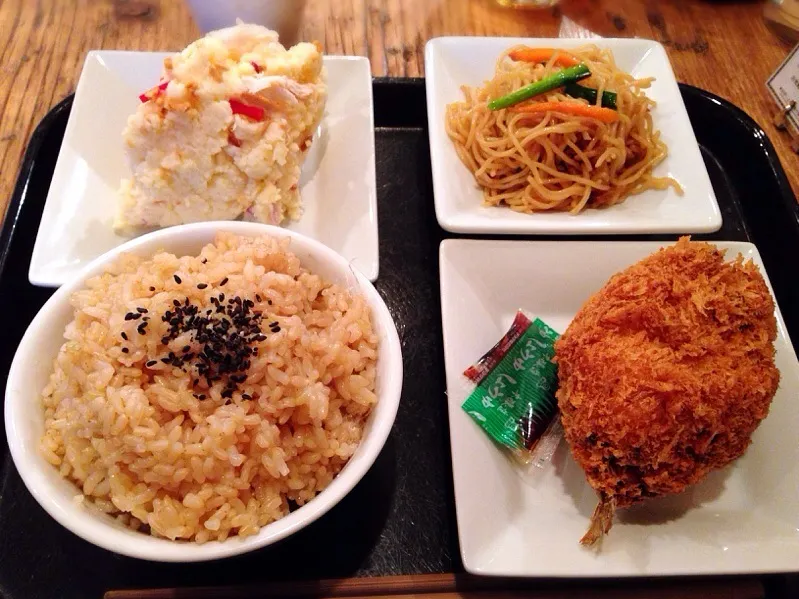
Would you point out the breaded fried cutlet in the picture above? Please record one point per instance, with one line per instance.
(665, 373)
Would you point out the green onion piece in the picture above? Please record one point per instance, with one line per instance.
(576, 90)
(558, 79)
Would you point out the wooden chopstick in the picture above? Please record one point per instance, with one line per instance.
(465, 586)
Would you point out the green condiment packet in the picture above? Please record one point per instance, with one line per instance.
(514, 400)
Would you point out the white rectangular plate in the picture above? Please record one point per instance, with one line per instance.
(743, 519)
(337, 184)
(451, 62)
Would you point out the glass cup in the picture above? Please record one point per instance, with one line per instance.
(283, 16)
(783, 17)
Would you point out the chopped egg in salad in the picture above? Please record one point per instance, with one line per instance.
(224, 133)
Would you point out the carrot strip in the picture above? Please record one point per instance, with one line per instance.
(606, 115)
(543, 55)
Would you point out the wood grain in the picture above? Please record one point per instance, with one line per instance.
(464, 586)
(723, 46)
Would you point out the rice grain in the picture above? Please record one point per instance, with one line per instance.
(201, 438)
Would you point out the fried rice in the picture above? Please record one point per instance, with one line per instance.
(201, 397)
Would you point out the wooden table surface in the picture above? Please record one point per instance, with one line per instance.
(723, 46)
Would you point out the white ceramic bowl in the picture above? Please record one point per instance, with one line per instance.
(24, 416)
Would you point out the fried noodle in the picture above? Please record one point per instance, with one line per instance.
(555, 161)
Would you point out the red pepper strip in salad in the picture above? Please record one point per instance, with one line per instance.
(256, 113)
(152, 92)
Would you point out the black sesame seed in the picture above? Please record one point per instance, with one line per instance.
(201, 396)
(202, 285)
(152, 288)
(177, 279)
(257, 297)
(151, 363)
(125, 350)
(205, 260)
(223, 282)
(141, 310)
(276, 329)
(225, 335)
(124, 335)
(246, 396)
(269, 302)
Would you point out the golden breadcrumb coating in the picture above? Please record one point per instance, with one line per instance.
(666, 372)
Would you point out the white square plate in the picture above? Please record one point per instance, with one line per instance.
(337, 184)
(451, 62)
(743, 519)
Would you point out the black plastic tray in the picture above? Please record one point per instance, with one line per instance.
(401, 518)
